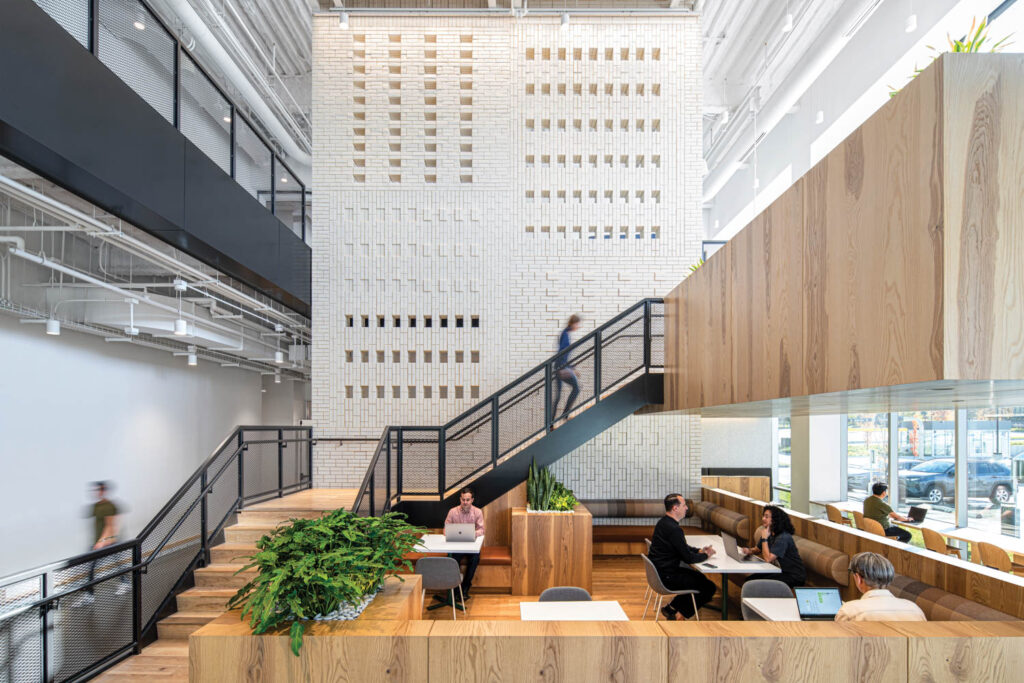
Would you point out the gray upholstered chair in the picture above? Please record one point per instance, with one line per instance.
(440, 574)
(647, 591)
(659, 589)
(564, 594)
(762, 588)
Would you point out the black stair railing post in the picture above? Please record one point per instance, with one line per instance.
(241, 471)
(398, 465)
(494, 431)
(442, 439)
(597, 366)
(280, 463)
(44, 626)
(547, 397)
(309, 457)
(647, 335)
(137, 596)
(203, 545)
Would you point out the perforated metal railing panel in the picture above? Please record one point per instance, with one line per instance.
(181, 547)
(419, 462)
(468, 445)
(72, 15)
(21, 639)
(136, 48)
(252, 162)
(622, 352)
(521, 412)
(205, 114)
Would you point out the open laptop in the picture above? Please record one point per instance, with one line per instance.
(818, 604)
(916, 515)
(460, 533)
(733, 551)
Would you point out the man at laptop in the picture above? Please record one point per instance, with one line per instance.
(466, 513)
(668, 549)
(877, 509)
(872, 574)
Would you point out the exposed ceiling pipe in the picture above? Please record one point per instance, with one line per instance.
(817, 58)
(301, 159)
(90, 225)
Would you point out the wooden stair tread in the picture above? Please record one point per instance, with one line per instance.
(166, 647)
(190, 617)
(223, 567)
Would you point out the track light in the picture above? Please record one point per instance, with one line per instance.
(279, 357)
(911, 24)
(192, 360)
(180, 285)
(343, 19)
(565, 21)
(277, 378)
(180, 328)
(787, 23)
(819, 118)
(53, 327)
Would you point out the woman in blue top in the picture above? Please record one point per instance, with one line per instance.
(773, 541)
(565, 372)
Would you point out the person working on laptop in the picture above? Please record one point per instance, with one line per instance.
(466, 513)
(872, 573)
(668, 549)
(877, 509)
(773, 542)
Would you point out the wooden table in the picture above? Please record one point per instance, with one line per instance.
(435, 543)
(724, 565)
(578, 610)
(774, 609)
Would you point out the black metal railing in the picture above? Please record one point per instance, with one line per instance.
(132, 41)
(431, 461)
(72, 619)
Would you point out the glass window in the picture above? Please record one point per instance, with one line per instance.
(782, 453)
(867, 453)
(926, 443)
(287, 198)
(205, 114)
(995, 456)
(252, 162)
(72, 16)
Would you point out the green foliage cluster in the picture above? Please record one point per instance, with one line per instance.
(311, 566)
(544, 492)
(694, 267)
(976, 38)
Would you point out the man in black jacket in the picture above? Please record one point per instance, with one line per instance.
(669, 551)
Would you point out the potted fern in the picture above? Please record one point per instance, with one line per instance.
(325, 569)
(544, 493)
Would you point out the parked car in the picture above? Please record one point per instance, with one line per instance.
(933, 481)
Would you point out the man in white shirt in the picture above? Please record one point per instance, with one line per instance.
(872, 573)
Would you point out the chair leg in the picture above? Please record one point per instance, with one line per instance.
(462, 600)
(423, 600)
(650, 595)
(696, 611)
(451, 592)
(657, 608)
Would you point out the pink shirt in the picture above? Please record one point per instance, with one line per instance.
(474, 516)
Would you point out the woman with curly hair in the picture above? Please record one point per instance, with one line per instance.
(773, 542)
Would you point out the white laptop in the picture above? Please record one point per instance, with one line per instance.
(733, 551)
(460, 533)
(818, 604)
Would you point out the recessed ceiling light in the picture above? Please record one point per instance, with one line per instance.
(139, 25)
(284, 180)
(227, 119)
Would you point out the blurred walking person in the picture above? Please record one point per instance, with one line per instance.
(564, 372)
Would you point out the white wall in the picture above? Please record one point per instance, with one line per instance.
(74, 409)
(737, 442)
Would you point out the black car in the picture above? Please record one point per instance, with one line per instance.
(933, 481)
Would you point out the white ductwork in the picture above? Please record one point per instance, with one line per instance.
(850, 16)
(301, 160)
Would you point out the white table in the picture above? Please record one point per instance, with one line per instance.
(774, 609)
(579, 610)
(723, 564)
(435, 543)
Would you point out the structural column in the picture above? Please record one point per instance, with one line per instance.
(816, 446)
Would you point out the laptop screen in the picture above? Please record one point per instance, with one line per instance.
(817, 601)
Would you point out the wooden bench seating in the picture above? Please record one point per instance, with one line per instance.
(622, 539)
(717, 518)
(940, 605)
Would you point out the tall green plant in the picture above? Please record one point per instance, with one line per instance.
(974, 41)
(544, 492)
(313, 566)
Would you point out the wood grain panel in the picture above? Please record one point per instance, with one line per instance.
(356, 651)
(957, 651)
(984, 246)
(547, 651)
(498, 516)
(551, 549)
(752, 487)
(785, 651)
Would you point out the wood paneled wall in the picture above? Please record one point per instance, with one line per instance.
(498, 516)
(899, 258)
(998, 590)
(752, 487)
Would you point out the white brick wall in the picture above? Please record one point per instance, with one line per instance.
(506, 169)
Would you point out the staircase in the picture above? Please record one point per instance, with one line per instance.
(419, 470)
(167, 658)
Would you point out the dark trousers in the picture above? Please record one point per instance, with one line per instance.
(900, 533)
(688, 579)
(569, 377)
(472, 560)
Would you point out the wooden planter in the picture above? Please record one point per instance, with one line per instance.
(553, 549)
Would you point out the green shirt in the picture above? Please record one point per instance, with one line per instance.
(877, 509)
(100, 512)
